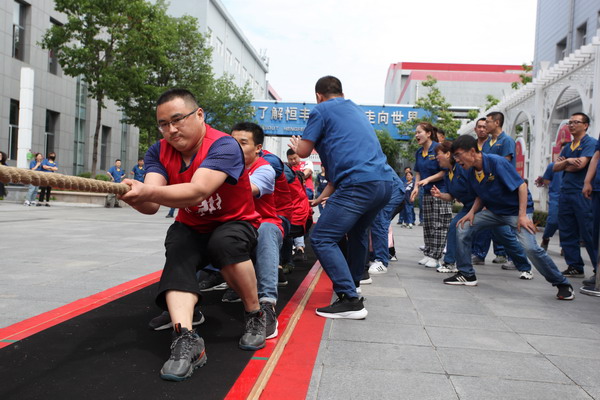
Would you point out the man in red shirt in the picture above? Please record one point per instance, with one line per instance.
(200, 171)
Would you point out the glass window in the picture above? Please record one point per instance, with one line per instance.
(581, 36)
(104, 147)
(18, 39)
(52, 59)
(51, 130)
(13, 130)
(80, 122)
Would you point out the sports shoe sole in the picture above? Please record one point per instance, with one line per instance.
(360, 314)
(377, 271)
(197, 364)
(590, 291)
(274, 334)
(170, 324)
(445, 270)
(461, 283)
(220, 286)
(251, 348)
(366, 281)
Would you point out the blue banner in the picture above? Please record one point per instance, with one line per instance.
(287, 119)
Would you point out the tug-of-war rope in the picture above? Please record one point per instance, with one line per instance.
(59, 181)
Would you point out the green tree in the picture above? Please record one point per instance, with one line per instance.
(226, 104)
(491, 101)
(93, 43)
(390, 147)
(525, 76)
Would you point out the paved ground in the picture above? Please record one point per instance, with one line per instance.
(506, 338)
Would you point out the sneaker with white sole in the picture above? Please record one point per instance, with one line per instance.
(509, 266)
(565, 292)
(393, 258)
(447, 268)
(366, 278)
(460, 279)
(377, 268)
(344, 307)
(528, 275)
(424, 260)
(432, 263)
(187, 354)
(422, 248)
(163, 321)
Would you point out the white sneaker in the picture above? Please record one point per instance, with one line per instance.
(422, 248)
(410, 226)
(526, 275)
(27, 202)
(447, 268)
(424, 260)
(358, 290)
(432, 263)
(377, 268)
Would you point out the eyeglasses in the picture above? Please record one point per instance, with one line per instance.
(457, 154)
(575, 122)
(175, 122)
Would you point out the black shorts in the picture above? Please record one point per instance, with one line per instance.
(187, 251)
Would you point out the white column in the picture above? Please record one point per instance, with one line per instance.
(595, 114)
(25, 117)
(538, 152)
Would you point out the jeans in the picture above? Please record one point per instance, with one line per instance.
(267, 260)
(481, 245)
(450, 257)
(596, 212)
(350, 210)
(552, 219)
(575, 223)
(486, 219)
(31, 193)
(380, 228)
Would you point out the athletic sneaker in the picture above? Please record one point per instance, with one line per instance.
(499, 260)
(271, 320)
(565, 292)
(591, 281)
(187, 354)
(281, 279)
(422, 248)
(213, 281)
(377, 268)
(526, 275)
(432, 263)
(287, 268)
(393, 258)
(460, 279)
(358, 290)
(410, 226)
(163, 321)
(509, 266)
(366, 278)
(477, 260)
(255, 331)
(447, 268)
(344, 307)
(589, 290)
(572, 271)
(230, 296)
(425, 260)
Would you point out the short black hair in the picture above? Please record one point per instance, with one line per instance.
(586, 119)
(177, 93)
(497, 116)
(140, 159)
(258, 135)
(290, 152)
(480, 119)
(329, 85)
(465, 142)
(118, 159)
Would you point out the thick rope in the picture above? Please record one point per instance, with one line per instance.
(38, 178)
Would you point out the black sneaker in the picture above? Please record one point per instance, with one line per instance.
(271, 319)
(366, 278)
(460, 279)
(281, 279)
(163, 321)
(299, 254)
(255, 332)
(499, 260)
(591, 281)
(477, 261)
(187, 354)
(230, 296)
(344, 307)
(565, 292)
(288, 268)
(213, 281)
(572, 271)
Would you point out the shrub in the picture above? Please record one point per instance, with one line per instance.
(85, 175)
(102, 177)
(539, 218)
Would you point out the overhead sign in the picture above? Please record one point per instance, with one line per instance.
(287, 119)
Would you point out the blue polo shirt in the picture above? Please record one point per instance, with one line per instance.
(596, 181)
(555, 179)
(457, 184)
(498, 189)
(32, 164)
(139, 173)
(573, 181)
(346, 143)
(504, 146)
(427, 166)
(117, 174)
(47, 163)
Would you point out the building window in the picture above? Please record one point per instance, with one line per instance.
(104, 147)
(561, 50)
(581, 36)
(52, 59)
(18, 39)
(228, 58)
(219, 47)
(124, 140)
(13, 130)
(51, 129)
(80, 121)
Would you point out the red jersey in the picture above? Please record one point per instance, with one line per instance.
(228, 203)
(283, 197)
(265, 204)
(308, 182)
(300, 203)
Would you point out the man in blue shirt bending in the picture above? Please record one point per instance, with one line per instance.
(359, 185)
(507, 201)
